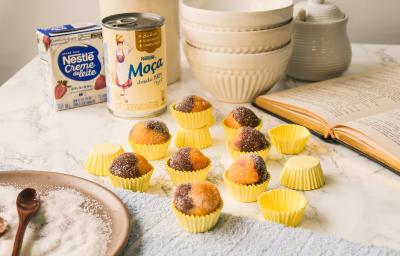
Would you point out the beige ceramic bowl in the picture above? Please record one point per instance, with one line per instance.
(237, 78)
(237, 42)
(237, 15)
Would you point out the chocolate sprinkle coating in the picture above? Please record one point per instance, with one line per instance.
(183, 202)
(260, 167)
(252, 140)
(125, 166)
(186, 105)
(180, 160)
(245, 117)
(157, 126)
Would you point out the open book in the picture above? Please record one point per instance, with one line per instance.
(361, 111)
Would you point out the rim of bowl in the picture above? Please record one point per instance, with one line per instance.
(281, 49)
(284, 26)
(289, 4)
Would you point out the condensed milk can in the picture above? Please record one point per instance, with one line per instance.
(135, 64)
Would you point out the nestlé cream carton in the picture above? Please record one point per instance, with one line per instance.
(72, 64)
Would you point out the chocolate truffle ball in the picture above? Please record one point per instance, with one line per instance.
(197, 199)
(242, 116)
(149, 132)
(248, 139)
(188, 159)
(192, 103)
(248, 169)
(130, 165)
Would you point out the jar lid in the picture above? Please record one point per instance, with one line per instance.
(318, 11)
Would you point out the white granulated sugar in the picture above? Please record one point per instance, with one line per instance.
(66, 224)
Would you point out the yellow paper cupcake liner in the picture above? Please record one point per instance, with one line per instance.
(180, 177)
(245, 193)
(151, 151)
(302, 173)
(283, 206)
(101, 157)
(235, 154)
(198, 138)
(289, 138)
(230, 131)
(139, 184)
(193, 120)
(197, 224)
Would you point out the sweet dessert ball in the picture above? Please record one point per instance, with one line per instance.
(242, 116)
(248, 139)
(248, 169)
(191, 104)
(149, 132)
(188, 159)
(130, 165)
(197, 199)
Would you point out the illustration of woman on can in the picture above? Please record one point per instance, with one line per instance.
(120, 77)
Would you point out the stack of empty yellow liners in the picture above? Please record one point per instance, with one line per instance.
(193, 128)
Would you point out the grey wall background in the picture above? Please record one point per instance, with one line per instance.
(371, 21)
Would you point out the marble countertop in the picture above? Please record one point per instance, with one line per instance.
(359, 202)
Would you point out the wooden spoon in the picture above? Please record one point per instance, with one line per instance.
(3, 226)
(28, 203)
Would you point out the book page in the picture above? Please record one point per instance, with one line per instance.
(347, 98)
(382, 129)
(292, 114)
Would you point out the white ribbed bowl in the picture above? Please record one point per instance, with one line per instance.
(237, 15)
(237, 42)
(237, 78)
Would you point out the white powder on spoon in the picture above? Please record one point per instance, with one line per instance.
(66, 224)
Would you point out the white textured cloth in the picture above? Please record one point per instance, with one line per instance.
(155, 231)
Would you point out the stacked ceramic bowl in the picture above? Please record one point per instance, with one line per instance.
(237, 49)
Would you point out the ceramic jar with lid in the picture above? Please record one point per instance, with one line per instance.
(321, 46)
